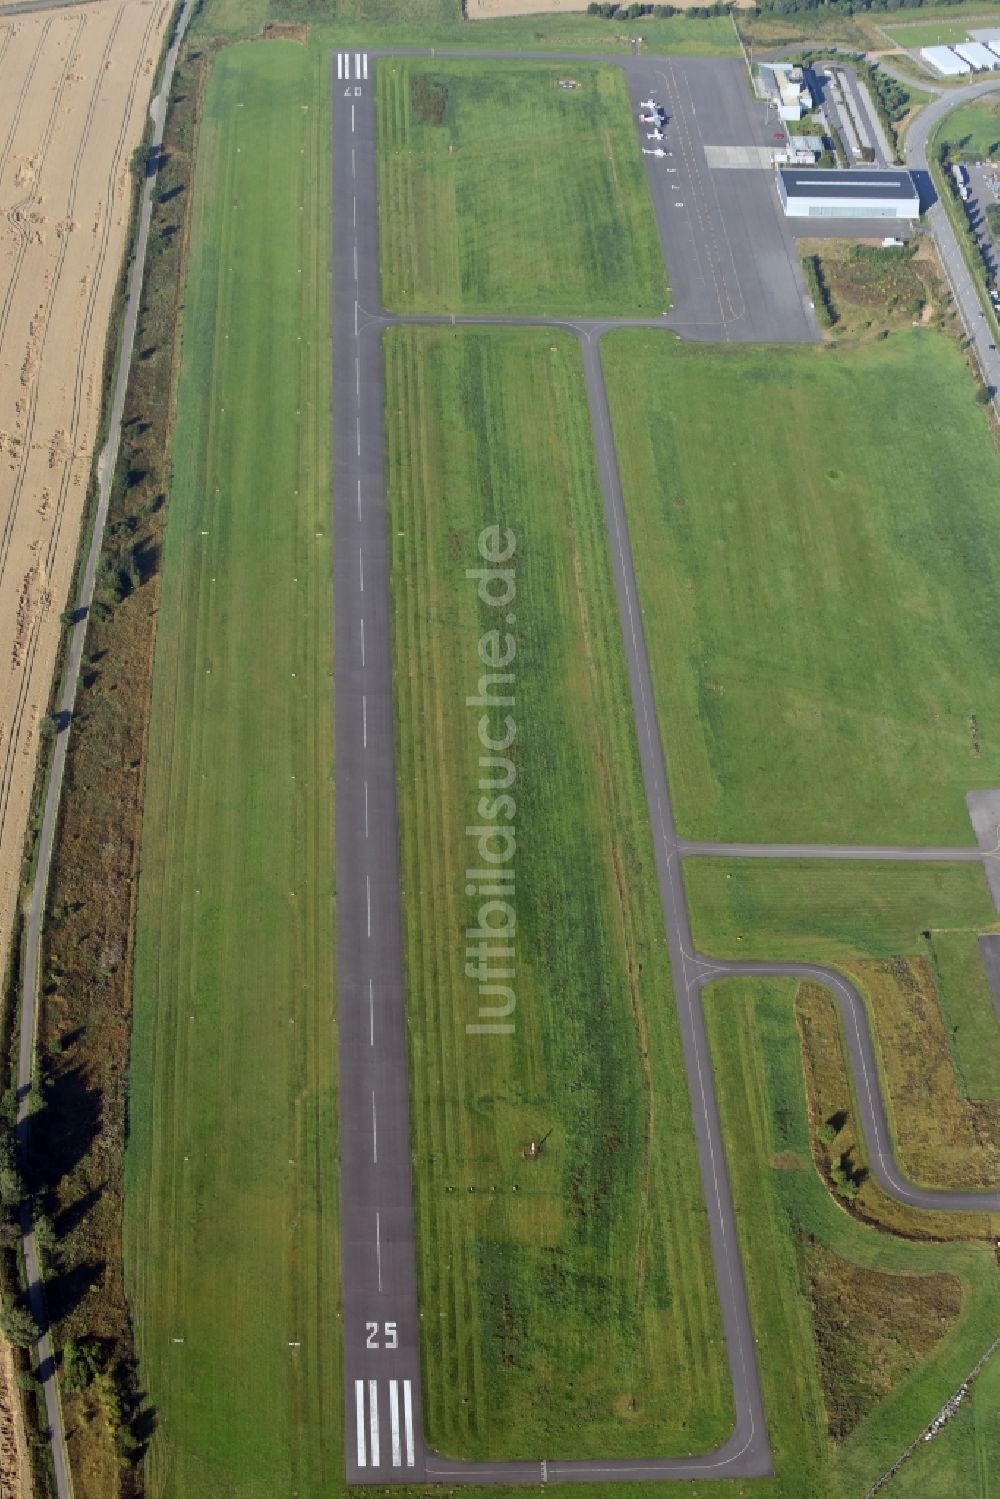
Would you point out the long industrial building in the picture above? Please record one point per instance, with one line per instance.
(946, 61)
(822, 194)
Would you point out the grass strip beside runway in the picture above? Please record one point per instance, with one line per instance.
(817, 544)
(568, 1301)
(231, 1242)
(502, 191)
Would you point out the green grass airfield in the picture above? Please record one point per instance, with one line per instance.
(569, 1302)
(499, 191)
(231, 1241)
(817, 546)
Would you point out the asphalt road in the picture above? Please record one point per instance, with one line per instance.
(889, 853)
(722, 291)
(964, 289)
(67, 701)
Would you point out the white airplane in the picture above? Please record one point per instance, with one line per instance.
(655, 152)
(650, 119)
(654, 135)
(648, 103)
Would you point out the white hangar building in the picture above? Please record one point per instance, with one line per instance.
(836, 194)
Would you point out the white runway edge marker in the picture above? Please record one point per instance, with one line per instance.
(359, 1408)
(408, 1420)
(397, 1454)
(373, 1419)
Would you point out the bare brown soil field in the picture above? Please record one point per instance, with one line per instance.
(74, 93)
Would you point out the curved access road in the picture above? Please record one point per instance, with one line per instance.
(67, 702)
(870, 1103)
(382, 1372)
(968, 298)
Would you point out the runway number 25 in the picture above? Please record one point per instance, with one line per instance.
(387, 1331)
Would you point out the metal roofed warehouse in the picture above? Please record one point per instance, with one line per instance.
(834, 194)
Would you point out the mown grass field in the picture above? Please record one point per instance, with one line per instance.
(231, 1243)
(973, 128)
(569, 1300)
(969, 1014)
(501, 192)
(943, 32)
(868, 1370)
(441, 24)
(820, 579)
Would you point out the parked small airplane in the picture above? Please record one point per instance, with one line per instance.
(649, 103)
(654, 135)
(657, 151)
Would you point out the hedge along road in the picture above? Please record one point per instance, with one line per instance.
(382, 1388)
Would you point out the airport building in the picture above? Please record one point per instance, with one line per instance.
(787, 86)
(981, 59)
(946, 61)
(859, 194)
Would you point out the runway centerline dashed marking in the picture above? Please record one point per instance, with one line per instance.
(371, 1012)
(374, 1131)
(378, 1256)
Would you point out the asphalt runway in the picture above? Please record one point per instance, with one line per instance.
(729, 297)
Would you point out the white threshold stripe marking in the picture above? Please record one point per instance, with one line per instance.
(378, 1254)
(373, 1419)
(397, 1456)
(368, 897)
(357, 64)
(408, 1419)
(374, 1131)
(364, 65)
(371, 1012)
(359, 1407)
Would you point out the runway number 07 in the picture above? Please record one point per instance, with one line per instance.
(388, 1331)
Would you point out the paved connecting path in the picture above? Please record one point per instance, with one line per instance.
(382, 1387)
